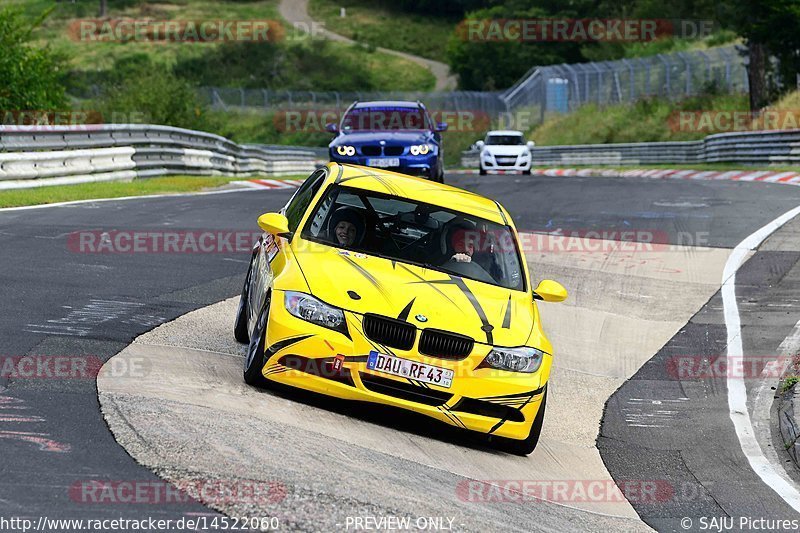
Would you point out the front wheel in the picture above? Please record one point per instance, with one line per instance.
(526, 172)
(482, 171)
(526, 446)
(254, 360)
(240, 326)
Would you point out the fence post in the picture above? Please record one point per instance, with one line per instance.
(632, 81)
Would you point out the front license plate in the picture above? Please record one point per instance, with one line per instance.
(396, 366)
(384, 163)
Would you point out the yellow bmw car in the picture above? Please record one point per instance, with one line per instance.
(380, 287)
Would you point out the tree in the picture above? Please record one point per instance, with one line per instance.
(769, 28)
(31, 79)
(103, 8)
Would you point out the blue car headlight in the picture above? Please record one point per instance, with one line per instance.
(306, 307)
(346, 150)
(526, 360)
(420, 149)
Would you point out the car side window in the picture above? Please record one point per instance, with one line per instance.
(299, 203)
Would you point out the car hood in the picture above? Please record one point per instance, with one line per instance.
(505, 150)
(489, 314)
(391, 137)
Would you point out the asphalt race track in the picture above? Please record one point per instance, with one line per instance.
(629, 315)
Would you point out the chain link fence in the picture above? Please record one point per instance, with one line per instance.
(564, 88)
(226, 98)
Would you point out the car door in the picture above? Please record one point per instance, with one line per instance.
(270, 254)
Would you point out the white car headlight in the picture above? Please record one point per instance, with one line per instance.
(527, 360)
(525, 155)
(345, 150)
(306, 307)
(420, 149)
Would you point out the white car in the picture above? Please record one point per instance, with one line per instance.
(505, 150)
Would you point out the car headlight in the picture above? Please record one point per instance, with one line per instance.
(420, 149)
(345, 150)
(525, 155)
(308, 308)
(527, 360)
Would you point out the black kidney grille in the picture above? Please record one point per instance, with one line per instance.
(389, 332)
(393, 150)
(445, 345)
(371, 150)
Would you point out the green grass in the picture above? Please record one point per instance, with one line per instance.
(788, 383)
(114, 189)
(378, 23)
(293, 63)
(643, 121)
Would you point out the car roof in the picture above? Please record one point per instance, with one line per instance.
(387, 103)
(420, 189)
(504, 132)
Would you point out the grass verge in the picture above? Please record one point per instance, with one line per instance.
(377, 23)
(114, 189)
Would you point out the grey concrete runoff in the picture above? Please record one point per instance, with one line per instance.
(194, 378)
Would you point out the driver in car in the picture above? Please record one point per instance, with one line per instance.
(346, 227)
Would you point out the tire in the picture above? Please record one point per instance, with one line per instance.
(440, 174)
(526, 172)
(482, 171)
(526, 446)
(240, 332)
(254, 360)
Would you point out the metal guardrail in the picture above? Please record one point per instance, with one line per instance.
(32, 156)
(749, 148)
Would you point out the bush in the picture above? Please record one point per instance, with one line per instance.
(142, 91)
(32, 78)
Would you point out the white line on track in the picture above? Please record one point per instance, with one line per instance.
(737, 392)
(122, 198)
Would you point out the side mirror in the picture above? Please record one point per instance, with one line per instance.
(441, 126)
(550, 291)
(275, 223)
(531, 144)
(479, 145)
(332, 128)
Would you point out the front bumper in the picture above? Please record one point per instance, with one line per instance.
(415, 165)
(510, 163)
(485, 400)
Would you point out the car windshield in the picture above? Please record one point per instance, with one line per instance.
(385, 118)
(505, 140)
(418, 233)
